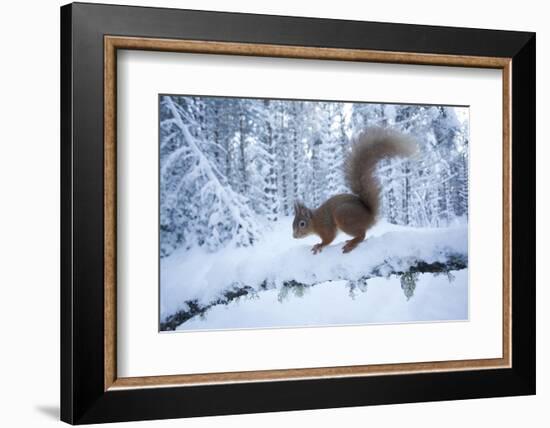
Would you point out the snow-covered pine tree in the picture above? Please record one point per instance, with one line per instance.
(328, 151)
(198, 207)
(260, 160)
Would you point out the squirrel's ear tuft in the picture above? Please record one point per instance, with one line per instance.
(301, 210)
(299, 207)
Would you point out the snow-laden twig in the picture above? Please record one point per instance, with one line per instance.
(167, 139)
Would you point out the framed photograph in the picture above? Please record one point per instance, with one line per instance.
(266, 213)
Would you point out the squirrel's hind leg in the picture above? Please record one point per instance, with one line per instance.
(352, 243)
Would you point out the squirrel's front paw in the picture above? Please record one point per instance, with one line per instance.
(317, 248)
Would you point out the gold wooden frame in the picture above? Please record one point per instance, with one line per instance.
(113, 43)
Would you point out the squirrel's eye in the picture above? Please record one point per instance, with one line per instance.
(302, 223)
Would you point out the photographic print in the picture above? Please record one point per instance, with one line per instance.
(307, 213)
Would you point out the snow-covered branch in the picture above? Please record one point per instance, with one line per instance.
(279, 262)
(407, 275)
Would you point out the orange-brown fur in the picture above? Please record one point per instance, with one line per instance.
(356, 213)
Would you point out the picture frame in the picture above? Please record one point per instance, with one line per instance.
(91, 390)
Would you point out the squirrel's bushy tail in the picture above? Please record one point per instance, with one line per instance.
(370, 147)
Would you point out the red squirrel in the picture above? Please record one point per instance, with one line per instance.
(355, 213)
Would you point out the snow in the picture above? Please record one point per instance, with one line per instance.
(197, 274)
(329, 303)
